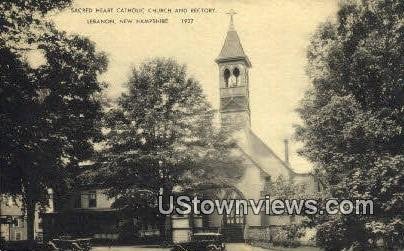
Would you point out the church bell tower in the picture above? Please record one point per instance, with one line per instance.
(233, 66)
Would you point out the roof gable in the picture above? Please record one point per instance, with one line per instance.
(263, 156)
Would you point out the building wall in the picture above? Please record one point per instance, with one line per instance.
(11, 208)
(18, 231)
(12, 231)
(86, 213)
(81, 200)
(311, 183)
(79, 217)
(215, 220)
(181, 228)
(255, 178)
(251, 185)
(235, 119)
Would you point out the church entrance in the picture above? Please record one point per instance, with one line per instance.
(233, 224)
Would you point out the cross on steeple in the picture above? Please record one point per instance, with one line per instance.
(231, 13)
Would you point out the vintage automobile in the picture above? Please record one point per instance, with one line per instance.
(202, 242)
(26, 245)
(70, 244)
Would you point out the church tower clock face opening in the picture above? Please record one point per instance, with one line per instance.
(233, 66)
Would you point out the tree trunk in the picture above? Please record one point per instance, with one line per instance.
(162, 219)
(163, 229)
(30, 219)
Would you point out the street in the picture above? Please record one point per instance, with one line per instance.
(229, 247)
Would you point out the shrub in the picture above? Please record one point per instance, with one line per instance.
(342, 232)
(330, 236)
(286, 236)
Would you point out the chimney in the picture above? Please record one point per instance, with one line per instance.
(286, 151)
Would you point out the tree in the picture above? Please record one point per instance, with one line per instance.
(161, 137)
(285, 189)
(49, 103)
(354, 116)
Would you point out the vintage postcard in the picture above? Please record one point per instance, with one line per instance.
(201, 125)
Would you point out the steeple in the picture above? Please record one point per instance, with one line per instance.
(232, 48)
(233, 81)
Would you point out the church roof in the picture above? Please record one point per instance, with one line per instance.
(232, 48)
(262, 155)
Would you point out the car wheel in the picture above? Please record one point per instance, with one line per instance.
(211, 248)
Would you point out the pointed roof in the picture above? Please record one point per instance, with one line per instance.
(261, 154)
(232, 48)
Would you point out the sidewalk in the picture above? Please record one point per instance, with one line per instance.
(246, 247)
(229, 247)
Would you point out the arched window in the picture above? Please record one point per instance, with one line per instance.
(226, 77)
(234, 217)
(236, 73)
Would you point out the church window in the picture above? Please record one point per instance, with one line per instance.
(226, 77)
(236, 73)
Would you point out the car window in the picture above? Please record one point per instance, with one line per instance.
(205, 237)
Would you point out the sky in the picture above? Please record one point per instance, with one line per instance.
(274, 35)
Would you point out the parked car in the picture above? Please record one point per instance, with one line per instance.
(64, 244)
(26, 245)
(202, 242)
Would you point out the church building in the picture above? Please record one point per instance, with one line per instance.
(260, 162)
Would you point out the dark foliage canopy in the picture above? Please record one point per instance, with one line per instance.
(161, 135)
(354, 115)
(49, 102)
